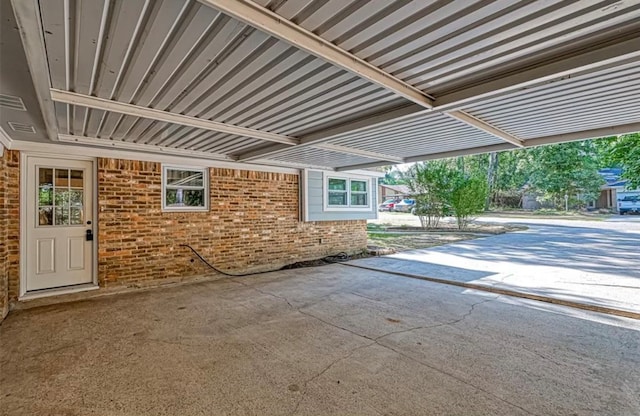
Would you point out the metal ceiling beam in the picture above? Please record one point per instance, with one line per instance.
(351, 127)
(538, 141)
(432, 156)
(138, 147)
(358, 152)
(269, 22)
(292, 165)
(612, 55)
(361, 166)
(463, 152)
(584, 135)
(27, 13)
(166, 116)
(486, 127)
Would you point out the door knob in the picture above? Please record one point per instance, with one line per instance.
(89, 235)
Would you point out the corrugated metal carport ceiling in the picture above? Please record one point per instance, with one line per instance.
(492, 73)
(605, 98)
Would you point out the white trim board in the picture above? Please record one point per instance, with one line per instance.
(74, 151)
(166, 116)
(5, 140)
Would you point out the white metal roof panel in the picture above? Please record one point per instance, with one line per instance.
(319, 158)
(420, 135)
(187, 58)
(601, 99)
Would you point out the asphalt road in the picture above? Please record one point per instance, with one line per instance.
(591, 262)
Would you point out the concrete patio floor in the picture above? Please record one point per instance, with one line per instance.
(317, 341)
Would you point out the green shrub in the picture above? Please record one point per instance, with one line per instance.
(467, 198)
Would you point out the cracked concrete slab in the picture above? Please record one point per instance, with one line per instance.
(317, 341)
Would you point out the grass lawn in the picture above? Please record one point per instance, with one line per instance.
(548, 214)
(400, 238)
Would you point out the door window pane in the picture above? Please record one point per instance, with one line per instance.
(62, 178)
(75, 216)
(45, 177)
(45, 196)
(62, 215)
(61, 197)
(75, 198)
(77, 179)
(45, 216)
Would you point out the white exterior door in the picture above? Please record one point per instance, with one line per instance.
(59, 223)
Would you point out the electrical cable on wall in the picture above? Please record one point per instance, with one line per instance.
(338, 258)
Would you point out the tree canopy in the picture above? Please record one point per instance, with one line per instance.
(550, 172)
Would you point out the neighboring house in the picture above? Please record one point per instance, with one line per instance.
(392, 192)
(610, 190)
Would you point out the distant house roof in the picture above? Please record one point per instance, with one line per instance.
(399, 189)
(612, 178)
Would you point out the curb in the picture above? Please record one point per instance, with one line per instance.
(507, 292)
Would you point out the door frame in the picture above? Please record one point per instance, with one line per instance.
(24, 198)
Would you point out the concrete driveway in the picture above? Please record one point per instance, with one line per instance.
(317, 341)
(591, 262)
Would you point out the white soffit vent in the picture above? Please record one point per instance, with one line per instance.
(12, 102)
(21, 128)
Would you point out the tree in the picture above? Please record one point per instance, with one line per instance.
(624, 151)
(491, 178)
(447, 186)
(428, 182)
(511, 176)
(392, 176)
(467, 196)
(565, 169)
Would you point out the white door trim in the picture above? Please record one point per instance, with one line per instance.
(23, 295)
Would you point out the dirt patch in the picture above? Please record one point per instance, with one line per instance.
(413, 240)
(337, 258)
(474, 228)
(550, 214)
(401, 238)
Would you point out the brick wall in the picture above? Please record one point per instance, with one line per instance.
(252, 225)
(9, 228)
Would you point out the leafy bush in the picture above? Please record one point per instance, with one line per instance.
(467, 197)
(428, 182)
(441, 189)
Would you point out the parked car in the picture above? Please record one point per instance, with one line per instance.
(406, 205)
(387, 205)
(447, 211)
(629, 204)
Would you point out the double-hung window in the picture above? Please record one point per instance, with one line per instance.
(185, 189)
(347, 193)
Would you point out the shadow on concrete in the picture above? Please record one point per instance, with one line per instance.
(440, 271)
(585, 249)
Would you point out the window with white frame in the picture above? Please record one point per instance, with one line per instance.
(185, 189)
(347, 193)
